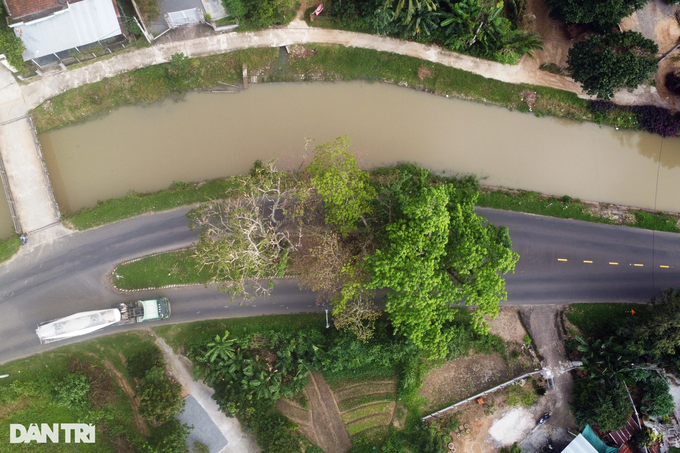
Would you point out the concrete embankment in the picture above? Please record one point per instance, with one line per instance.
(24, 173)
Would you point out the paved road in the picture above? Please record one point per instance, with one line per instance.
(70, 274)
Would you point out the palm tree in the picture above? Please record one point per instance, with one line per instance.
(411, 7)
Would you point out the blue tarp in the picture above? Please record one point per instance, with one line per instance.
(596, 442)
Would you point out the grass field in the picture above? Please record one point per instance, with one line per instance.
(172, 268)
(30, 393)
(602, 319)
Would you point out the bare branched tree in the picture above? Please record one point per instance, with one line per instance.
(358, 316)
(245, 240)
(318, 263)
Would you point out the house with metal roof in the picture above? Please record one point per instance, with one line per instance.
(50, 28)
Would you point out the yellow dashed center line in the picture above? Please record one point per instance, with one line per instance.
(586, 261)
(665, 267)
(638, 265)
(561, 259)
(613, 263)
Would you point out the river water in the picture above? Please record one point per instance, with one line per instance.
(212, 135)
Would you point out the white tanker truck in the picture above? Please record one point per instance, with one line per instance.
(90, 321)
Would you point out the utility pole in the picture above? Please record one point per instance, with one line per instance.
(325, 307)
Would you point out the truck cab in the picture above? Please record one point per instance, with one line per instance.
(145, 310)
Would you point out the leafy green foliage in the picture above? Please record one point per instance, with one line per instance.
(12, 47)
(514, 448)
(656, 400)
(435, 252)
(143, 360)
(170, 437)
(411, 6)
(72, 391)
(602, 14)
(261, 13)
(160, 397)
(603, 64)
(344, 187)
(602, 403)
(659, 334)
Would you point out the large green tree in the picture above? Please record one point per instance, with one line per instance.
(344, 187)
(603, 14)
(603, 64)
(410, 7)
(602, 403)
(435, 253)
(658, 334)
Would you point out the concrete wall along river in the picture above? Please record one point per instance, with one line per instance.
(212, 135)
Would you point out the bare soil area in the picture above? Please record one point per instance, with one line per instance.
(657, 21)
(322, 423)
(467, 376)
(554, 34)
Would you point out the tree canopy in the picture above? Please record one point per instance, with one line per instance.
(602, 14)
(435, 253)
(344, 187)
(603, 64)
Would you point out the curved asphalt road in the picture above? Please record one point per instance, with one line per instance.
(70, 274)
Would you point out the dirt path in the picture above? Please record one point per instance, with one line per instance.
(134, 403)
(543, 323)
(331, 434)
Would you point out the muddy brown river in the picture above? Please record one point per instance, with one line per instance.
(212, 135)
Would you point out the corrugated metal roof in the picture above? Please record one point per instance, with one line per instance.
(579, 445)
(19, 8)
(84, 22)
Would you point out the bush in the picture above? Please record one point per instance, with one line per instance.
(139, 363)
(170, 437)
(160, 397)
(72, 391)
(657, 120)
(12, 47)
(603, 404)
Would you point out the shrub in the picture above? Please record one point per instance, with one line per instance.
(72, 391)
(672, 82)
(657, 120)
(160, 398)
(141, 362)
(12, 47)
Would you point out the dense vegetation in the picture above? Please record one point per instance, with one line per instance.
(407, 231)
(252, 370)
(621, 359)
(94, 382)
(600, 14)
(482, 28)
(253, 14)
(605, 63)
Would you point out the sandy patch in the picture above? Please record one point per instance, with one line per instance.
(513, 427)
(508, 326)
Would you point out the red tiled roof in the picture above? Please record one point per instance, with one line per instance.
(20, 8)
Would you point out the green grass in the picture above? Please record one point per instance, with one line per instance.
(372, 409)
(345, 63)
(179, 335)
(534, 203)
(9, 247)
(368, 423)
(172, 268)
(134, 204)
(602, 319)
(658, 222)
(520, 396)
(46, 368)
(351, 403)
(146, 86)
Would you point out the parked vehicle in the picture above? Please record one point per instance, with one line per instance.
(91, 321)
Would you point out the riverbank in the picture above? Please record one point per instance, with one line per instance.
(317, 62)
